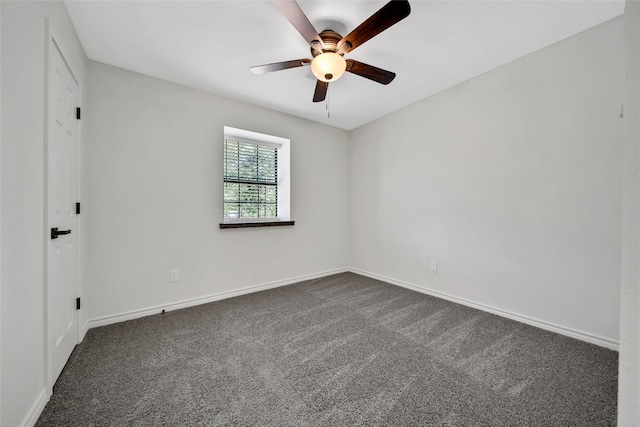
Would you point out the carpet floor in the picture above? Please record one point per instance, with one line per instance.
(342, 350)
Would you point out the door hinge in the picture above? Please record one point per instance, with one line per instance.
(78, 113)
(77, 303)
(77, 208)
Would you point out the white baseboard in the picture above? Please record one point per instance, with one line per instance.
(83, 331)
(36, 409)
(135, 314)
(563, 330)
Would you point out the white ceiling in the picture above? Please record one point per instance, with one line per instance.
(210, 45)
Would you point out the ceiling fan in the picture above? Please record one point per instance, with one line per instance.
(328, 47)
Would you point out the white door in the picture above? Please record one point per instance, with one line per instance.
(62, 170)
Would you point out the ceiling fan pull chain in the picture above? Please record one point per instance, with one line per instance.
(328, 96)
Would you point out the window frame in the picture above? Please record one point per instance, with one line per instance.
(247, 147)
(283, 180)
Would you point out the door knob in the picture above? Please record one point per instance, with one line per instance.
(55, 232)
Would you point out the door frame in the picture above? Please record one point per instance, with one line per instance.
(52, 41)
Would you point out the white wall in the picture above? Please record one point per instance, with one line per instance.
(23, 234)
(510, 181)
(629, 369)
(0, 209)
(154, 195)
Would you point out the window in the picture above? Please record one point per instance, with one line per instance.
(250, 180)
(256, 178)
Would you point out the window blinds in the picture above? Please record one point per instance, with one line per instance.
(250, 180)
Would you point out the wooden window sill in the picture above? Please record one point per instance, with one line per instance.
(224, 225)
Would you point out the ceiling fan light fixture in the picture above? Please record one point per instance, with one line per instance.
(328, 66)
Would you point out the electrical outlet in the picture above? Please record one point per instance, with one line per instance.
(175, 275)
(434, 266)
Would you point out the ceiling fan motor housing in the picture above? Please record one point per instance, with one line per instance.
(330, 39)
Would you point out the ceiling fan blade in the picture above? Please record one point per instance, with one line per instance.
(390, 14)
(295, 15)
(321, 91)
(277, 66)
(370, 72)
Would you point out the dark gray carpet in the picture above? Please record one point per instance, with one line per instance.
(337, 351)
